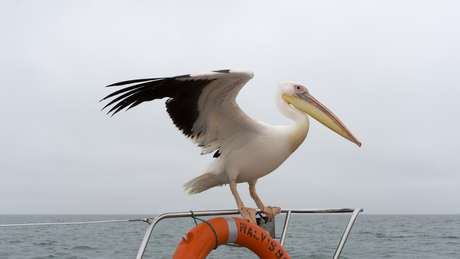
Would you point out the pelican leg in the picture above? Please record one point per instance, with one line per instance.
(270, 211)
(248, 214)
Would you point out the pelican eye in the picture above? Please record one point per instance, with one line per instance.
(299, 89)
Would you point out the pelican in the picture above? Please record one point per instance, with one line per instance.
(203, 106)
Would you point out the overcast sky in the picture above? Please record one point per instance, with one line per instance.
(390, 70)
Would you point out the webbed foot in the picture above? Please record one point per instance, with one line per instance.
(248, 214)
(271, 212)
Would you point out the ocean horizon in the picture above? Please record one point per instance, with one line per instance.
(309, 236)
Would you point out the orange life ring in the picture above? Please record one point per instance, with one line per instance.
(201, 240)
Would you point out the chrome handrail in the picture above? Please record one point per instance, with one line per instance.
(153, 222)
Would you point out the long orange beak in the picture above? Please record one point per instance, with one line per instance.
(308, 104)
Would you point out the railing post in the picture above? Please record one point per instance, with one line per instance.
(286, 224)
(346, 233)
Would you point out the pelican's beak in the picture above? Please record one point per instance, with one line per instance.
(308, 104)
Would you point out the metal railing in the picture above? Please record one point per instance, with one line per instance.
(154, 221)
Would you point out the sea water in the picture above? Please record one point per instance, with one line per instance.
(309, 236)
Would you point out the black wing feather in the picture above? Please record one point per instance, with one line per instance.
(182, 105)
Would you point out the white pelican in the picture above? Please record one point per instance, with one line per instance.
(203, 106)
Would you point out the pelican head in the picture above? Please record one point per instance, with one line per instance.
(298, 96)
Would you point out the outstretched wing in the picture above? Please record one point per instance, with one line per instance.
(203, 105)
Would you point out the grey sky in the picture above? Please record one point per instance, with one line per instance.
(390, 70)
